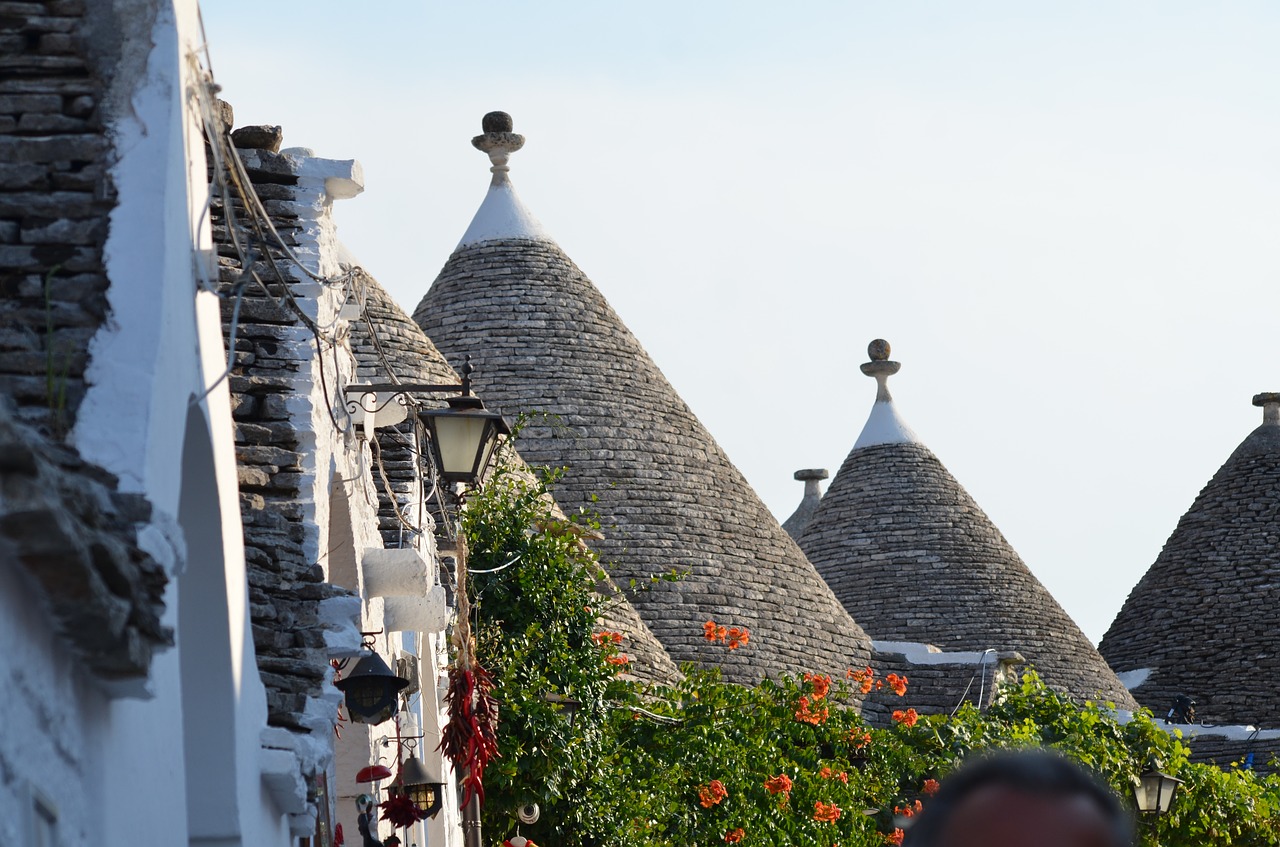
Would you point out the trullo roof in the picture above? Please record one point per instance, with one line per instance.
(544, 340)
(913, 558)
(1201, 622)
(389, 346)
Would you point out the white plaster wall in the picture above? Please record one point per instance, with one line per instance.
(51, 725)
(163, 346)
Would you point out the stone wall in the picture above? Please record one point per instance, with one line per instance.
(937, 682)
(544, 340)
(55, 198)
(272, 361)
(1200, 620)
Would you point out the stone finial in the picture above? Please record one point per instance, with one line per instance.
(1270, 403)
(880, 368)
(796, 524)
(811, 477)
(499, 142)
(497, 122)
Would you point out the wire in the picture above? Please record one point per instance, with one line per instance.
(982, 661)
(513, 560)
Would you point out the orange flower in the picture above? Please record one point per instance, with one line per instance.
(907, 718)
(859, 738)
(711, 793)
(826, 773)
(908, 810)
(931, 787)
(805, 714)
(826, 812)
(617, 660)
(821, 684)
(894, 837)
(738, 637)
(733, 836)
(604, 639)
(862, 678)
(780, 784)
(709, 630)
(897, 683)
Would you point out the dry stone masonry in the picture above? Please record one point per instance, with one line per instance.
(62, 518)
(1200, 622)
(272, 360)
(55, 198)
(386, 341)
(896, 519)
(545, 341)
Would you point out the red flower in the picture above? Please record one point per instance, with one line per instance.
(805, 714)
(897, 683)
(780, 784)
(711, 793)
(908, 810)
(859, 738)
(821, 684)
(907, 718)
(863, 678)
(826, 812)
(931, 787)
(733, 836)
(603, 639)
(894, 837)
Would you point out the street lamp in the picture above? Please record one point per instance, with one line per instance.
(1154, 790)
(416, 783)
(463, 437)
(371, 689)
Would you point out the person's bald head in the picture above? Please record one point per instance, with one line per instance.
(1021, 799)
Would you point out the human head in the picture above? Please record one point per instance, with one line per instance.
(1019, 798)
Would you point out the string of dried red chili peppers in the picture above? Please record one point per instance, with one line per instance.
(470, 738)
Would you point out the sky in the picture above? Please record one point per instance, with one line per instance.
(1063, 217)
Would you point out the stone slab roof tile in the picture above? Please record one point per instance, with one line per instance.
(896, 519)
(544, 341)
(1201, 617)
(388, 342)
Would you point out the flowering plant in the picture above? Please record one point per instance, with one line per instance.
(789, 761)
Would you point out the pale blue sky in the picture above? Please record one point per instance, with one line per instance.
(1063, 216)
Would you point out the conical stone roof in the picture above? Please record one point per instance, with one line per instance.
(389, 346)
(913, 558)
(543, 339)
(1201, 622)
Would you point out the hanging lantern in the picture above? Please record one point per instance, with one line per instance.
(1154, 790)
(463, 437)
(371, 690)
(417, 784)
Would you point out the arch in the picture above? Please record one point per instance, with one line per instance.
(204, 644)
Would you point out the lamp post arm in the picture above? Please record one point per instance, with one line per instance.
(405, 388)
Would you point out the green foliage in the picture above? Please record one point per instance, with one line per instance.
(636, 764)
